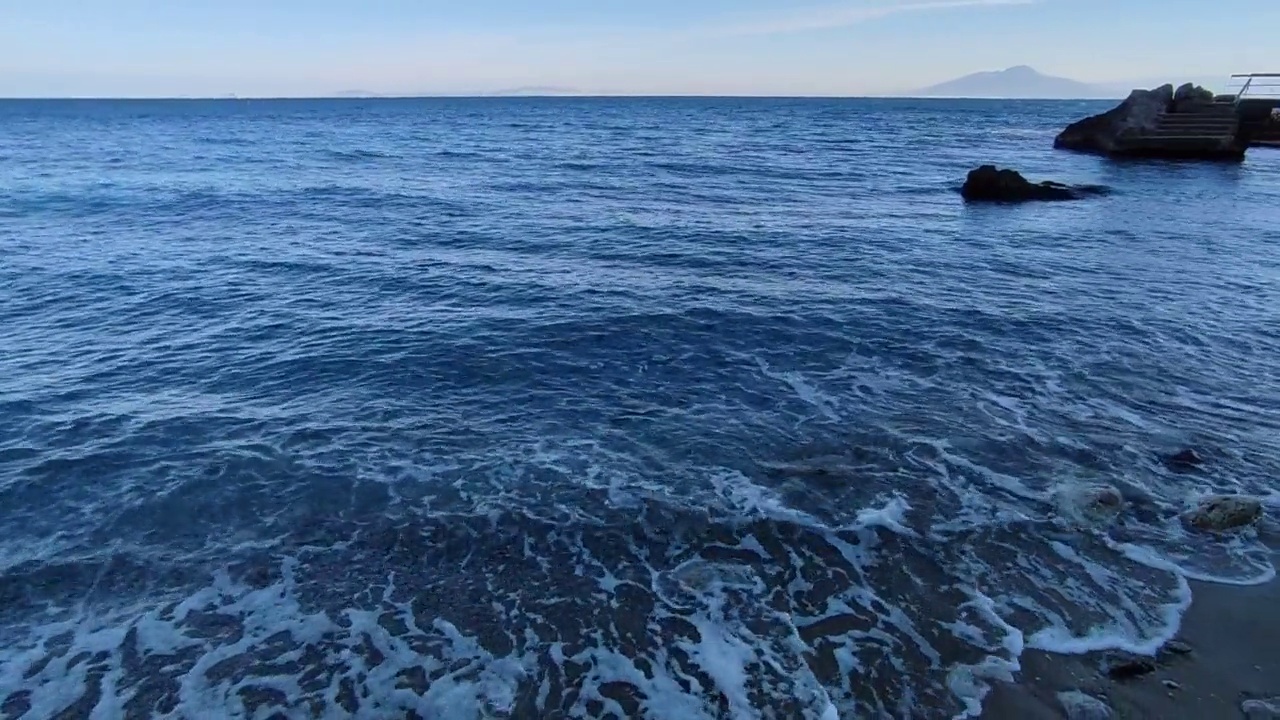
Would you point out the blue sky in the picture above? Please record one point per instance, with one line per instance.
(790, 47)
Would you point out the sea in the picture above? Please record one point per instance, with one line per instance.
(669, 408)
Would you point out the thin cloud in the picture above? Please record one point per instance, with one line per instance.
(844, 15)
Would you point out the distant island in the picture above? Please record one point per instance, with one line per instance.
(1016, 82)
(535, 91)
(528, 91)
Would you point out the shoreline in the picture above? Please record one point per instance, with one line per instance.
(1234, 635)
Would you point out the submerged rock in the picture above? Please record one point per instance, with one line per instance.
(991, 184)
(1140, 112)
(1091, 503)
(1103, 500)
(1186, 460)
(1079, 706)
(1220, 513)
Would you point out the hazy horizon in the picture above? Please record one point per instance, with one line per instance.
(147, 48)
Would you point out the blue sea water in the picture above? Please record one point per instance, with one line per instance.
(666, 408)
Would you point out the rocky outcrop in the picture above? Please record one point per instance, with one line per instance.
(1190, 97)
(990, 184)
(1220, 513)
(1140, 112)
(1164, 122)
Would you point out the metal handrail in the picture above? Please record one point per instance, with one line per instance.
(1251, 86)
(1244, 88)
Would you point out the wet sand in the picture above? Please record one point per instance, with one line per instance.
(1234, 633)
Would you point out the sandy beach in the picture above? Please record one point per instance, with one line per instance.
(1234, 636)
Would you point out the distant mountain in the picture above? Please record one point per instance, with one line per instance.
(357, 94)
(1016, 82)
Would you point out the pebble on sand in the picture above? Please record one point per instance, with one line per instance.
(1079, 706)
(1261, 709)
(1126, 667)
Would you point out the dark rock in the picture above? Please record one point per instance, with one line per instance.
(1079, 706)
(1189, 97)
(1127, 667)
(1186, 460)
(1191, 91)
(258, 577)
(1220, 513)
(990, 184)
(1139, 112)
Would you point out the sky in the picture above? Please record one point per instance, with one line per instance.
(213, 48)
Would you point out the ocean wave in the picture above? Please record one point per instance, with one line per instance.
(676, 408)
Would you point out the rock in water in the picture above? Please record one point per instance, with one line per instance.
(1094, 504)
(1140, 112)
(1185, 460)
(1079, 706)
(1220, 513)
(990, 184)
(1103, 501)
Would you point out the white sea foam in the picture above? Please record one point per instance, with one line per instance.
(726, 659)
(889, 516)
(803, 389)
(1125, 626)
(1003, 481)
(1012, 412)
(750, 500)
(731, 649)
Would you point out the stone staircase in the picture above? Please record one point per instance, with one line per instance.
(1207, 129)
(1218, 120)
